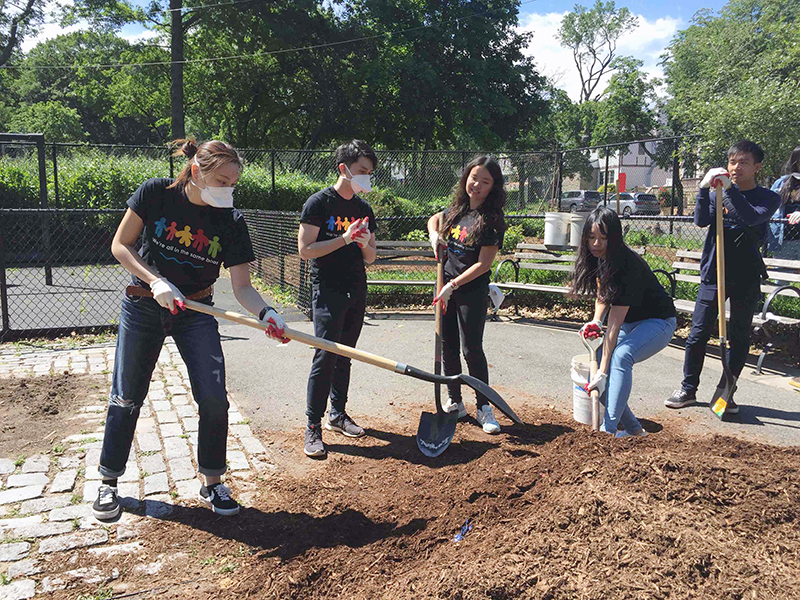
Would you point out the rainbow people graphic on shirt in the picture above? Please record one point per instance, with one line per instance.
(161, 226)
(214, 246)
(331, 223)
(462, 237)
(172, 230)
(200, 240)
(185, 236)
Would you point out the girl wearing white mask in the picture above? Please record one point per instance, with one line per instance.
(188, 228)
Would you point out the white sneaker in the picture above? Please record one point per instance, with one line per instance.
(623, 434)
(450, 406)
(485, 417)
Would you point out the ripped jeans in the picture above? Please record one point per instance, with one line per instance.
(142, 328)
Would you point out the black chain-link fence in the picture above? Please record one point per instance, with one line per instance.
(58, 273)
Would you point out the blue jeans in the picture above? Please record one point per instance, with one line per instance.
(636, 343)
(142, 328)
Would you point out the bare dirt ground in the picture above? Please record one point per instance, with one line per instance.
(35, 411)
(555, 512)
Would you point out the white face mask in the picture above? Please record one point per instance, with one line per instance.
(360, 183)
(796, 175)
(218, 197)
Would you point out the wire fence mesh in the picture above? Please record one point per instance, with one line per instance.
(58, 272)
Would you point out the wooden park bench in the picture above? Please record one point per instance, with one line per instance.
(399, 262)
(784, 280)
(538, 257)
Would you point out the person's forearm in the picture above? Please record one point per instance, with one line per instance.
(599, 310)
(369, 252)
(609, 344)
(749, 214)
(250, 299)
(133, 263)
(702, 208)
(473, 272)
(318, 249)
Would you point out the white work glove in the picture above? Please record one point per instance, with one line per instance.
(444, 295)
(597, 383)
(436, 243)
(714, 176)
(167, 295)
(496, 295)
(275, 325)
(357, 232)
(794, 218)
(591, 330)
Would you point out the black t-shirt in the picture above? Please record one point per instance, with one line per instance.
(342, 269)
(464, 246)
(640, 290)
(185, 242)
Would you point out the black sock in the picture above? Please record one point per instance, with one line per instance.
(111, 482)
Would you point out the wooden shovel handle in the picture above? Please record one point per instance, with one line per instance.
(299, 336)
(723, 333)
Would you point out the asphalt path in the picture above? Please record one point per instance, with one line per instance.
(529, 364)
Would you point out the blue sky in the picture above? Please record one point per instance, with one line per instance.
(659, 21)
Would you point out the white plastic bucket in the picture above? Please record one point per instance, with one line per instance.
(576, 223)
(556, 229)
(581, 401)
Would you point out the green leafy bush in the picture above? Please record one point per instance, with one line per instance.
(533, 227)
(416, 235)
(514, 236)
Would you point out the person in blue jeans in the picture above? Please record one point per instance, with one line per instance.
(788, 188)
(641, 314)
(188, 228)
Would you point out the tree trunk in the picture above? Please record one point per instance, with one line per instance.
(176, 69)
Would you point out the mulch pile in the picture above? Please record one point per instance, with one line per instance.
(555, 512)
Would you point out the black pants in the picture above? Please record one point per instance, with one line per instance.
(338, 317)
(465, 315)
(744, 300)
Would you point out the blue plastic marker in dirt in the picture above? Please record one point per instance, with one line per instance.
(464, 530)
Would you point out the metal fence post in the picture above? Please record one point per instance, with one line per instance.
(48, 265)
(282, 254)
(171, 166)
(605, 181)
(3, 287)
(55, 175)
(274, 200)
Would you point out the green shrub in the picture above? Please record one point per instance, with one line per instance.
(514, 236)
(416, 235)
(612, 188)
(533, 227)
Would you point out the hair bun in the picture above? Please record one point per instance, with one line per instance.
(189, 148)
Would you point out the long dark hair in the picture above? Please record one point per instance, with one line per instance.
(491, 211)
(592, 275)
(791, 184)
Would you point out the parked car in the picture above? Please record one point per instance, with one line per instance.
(635, 204)
(579, 201)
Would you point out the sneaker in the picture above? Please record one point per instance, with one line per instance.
(106, 506)
(314, 446)
(218, 497)
(679, 399)
(345, 425)
(485, 417)
(621, 433)
(450, 405)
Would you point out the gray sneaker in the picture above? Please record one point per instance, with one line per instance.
(679, 399)
(314, 446)
(345, 425)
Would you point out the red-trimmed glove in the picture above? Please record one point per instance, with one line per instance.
(275, 325)
(444, 295)
(168, 296)
(597, 383)
(362, 234)
(591, 330)
(714, 176)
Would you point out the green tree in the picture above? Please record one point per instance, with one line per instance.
(57, 122)
(17, 21)
(736, 75)
(592, 35)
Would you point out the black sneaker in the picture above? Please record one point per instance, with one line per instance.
(345, 425)
(679, 399)
(106, 506)
(218, 497)
(314, 446)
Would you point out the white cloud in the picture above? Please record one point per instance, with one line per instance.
(646, 43)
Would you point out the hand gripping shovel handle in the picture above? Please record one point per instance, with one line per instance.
(592, 345)
(360, 355)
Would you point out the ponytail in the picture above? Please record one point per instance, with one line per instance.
(208, 156)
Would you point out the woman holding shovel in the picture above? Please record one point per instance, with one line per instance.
(471, 232)
(641, 315)
(188, 228)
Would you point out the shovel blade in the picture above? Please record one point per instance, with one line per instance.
(435, 432)
(491, 395)
(722, 395)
